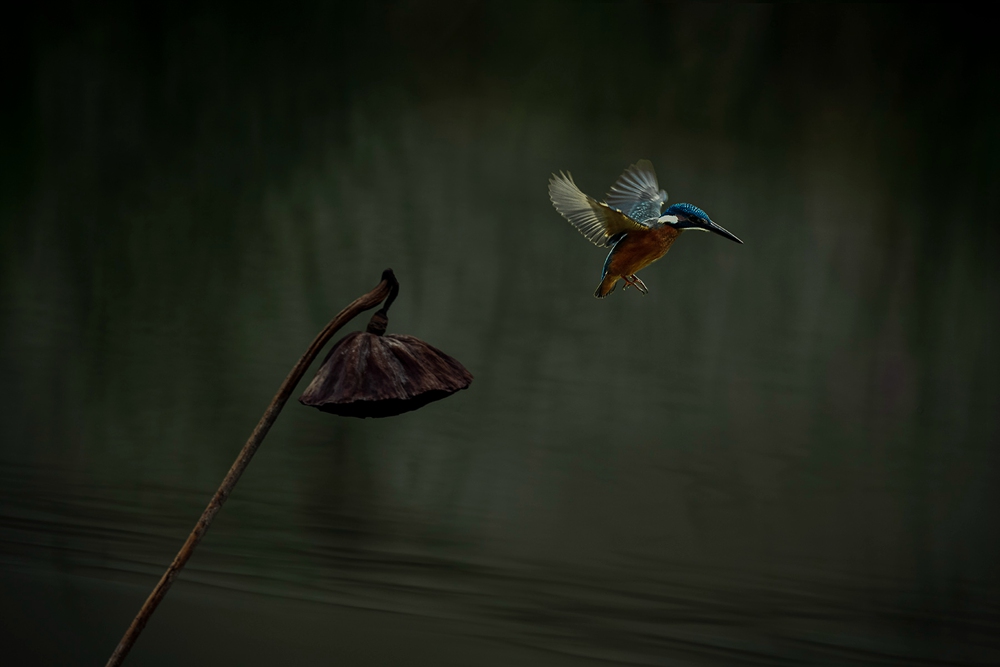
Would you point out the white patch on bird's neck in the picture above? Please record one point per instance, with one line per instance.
(667, 220)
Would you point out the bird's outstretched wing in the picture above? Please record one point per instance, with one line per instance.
(595, 220)
(637, 193)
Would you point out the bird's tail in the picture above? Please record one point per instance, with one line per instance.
(606, 287)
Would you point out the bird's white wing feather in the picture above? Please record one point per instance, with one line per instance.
(637, 193)
(595, 220)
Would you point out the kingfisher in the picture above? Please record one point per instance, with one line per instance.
(631, 221)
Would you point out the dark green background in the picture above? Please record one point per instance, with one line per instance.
(785, 454)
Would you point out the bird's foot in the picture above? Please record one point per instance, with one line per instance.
(638, 284)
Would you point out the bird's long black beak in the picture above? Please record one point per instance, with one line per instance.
(718, 229)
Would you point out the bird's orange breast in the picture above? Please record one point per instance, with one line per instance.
(640, 249)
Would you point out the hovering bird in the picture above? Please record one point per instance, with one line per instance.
(630, 220)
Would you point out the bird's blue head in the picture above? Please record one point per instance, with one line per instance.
(689, 216)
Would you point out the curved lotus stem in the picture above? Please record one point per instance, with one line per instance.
(388, 286)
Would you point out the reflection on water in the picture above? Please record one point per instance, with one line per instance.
(782, 455)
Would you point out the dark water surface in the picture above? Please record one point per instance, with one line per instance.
(785, 454)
